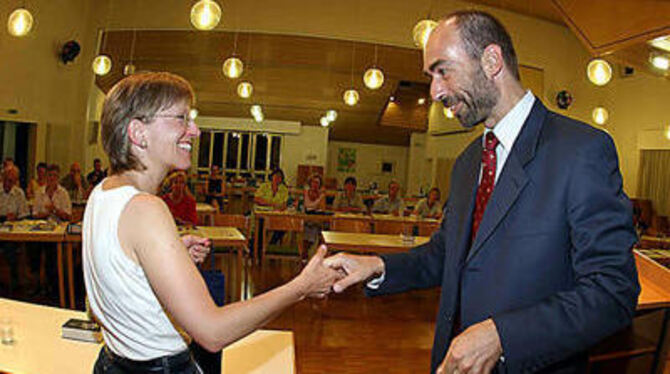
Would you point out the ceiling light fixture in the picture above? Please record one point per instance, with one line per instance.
(331, 115)
(662, 42)
(392, 99)
(599, 72)
(600, 115)
(421, 101)
(667, 133)
(422, 31)
(129, 69)
(233, 67)
(245, 89)
(351, 96)
(324, 121)
(205, 14)
(373, 77)
(660, 60)
(20, 22)
(102, 64)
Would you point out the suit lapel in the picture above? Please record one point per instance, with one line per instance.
(513, 177)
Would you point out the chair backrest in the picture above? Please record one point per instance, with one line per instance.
(238, 221)
(351, 224)
(284, 223)
(392, 227)
(427, 228)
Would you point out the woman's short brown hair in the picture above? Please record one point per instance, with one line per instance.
(139, 96)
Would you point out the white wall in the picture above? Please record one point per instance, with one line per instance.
(369, 158)
(309, 147)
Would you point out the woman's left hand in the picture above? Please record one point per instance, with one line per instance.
(198, 247)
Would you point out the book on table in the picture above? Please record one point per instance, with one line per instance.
(79, 329)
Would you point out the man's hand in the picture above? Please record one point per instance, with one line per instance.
(474, 351)
(198, 247)
(355, 268)
(316, 279)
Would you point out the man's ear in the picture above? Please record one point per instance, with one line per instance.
(137, 133)
(492, 61)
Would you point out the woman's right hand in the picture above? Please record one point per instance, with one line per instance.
(317, 279)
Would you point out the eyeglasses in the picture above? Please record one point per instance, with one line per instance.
(185, 119)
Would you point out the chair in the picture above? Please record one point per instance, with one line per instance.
(286, 224)
(351, 224)
(427, 228)
(393, 227)
(238, 221)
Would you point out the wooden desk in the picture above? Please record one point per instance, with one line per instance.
(39, 348)
(205, 213)
(21, 232)
(357, 242)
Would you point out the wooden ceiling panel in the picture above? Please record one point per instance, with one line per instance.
(295, 78)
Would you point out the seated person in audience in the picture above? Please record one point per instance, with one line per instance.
(52, 202)
(274, 192)
(215, 187)
(75, 184)
(39, 181)
(391, 204)
(13, 206)
(430, 206)
(349, 201)
(141, 280)
(6, 164)
(97, 175)
(180, 201)
(315, 196)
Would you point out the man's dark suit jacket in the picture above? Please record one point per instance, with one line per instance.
(551, 264)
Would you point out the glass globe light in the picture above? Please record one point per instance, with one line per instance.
(193, 114)
(20, 22)
(660, 61)
(667, 133)
(233, 67)
(331, 115)
(599, 72)
(259, 118)
(448, 113)
(102, 64)
(350, 97)
(324, 121)
(205, 14)
(422, 31)
(245, 89)
(373, 78)
(256, 110)
(600, 115)
(129, 69)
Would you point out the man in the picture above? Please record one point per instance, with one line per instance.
(534, 252)
(348, 201)
(76, 186)
(13, 206)
(97, 175)
(391, 204)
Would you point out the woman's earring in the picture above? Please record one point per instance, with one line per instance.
(143, 144)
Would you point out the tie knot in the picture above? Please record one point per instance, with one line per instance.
(491, 142)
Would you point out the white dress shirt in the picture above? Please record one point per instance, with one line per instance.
(13, 202)
(60, 200)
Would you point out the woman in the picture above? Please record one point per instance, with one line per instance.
(273, 193)
(215, 188)
(141, 284)
(38, 182)
(349, 201)
(314, 197)
(430, 206)
(180, 202)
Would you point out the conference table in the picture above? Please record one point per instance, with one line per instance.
(366, 243)
(42, 232)
(39, 348)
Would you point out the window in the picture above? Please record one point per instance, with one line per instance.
(239, 154)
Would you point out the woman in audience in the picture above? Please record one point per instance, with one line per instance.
(314, 197)
(180, 201)
(141, 281)
(348, 200)
(39, 181)
(215, 188)
(430, 206)
(274, 192)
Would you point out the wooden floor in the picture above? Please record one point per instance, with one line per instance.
(345, 333)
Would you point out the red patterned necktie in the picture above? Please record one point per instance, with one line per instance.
(487, 182)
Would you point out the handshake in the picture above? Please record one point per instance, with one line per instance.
(323, 275)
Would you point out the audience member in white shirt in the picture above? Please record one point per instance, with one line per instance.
(52, 200)
(13, 206)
